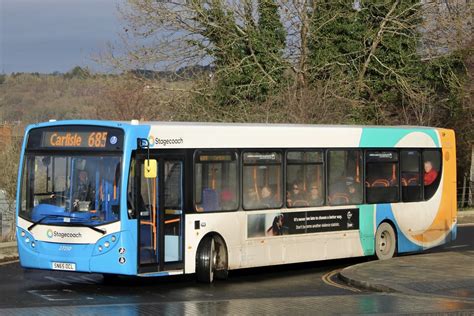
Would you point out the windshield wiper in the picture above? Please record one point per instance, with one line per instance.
(103, 232)
(45, 217)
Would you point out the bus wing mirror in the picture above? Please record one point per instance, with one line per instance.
(151, 169)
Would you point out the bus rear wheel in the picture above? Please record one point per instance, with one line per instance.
(211, 260)
(385, 242)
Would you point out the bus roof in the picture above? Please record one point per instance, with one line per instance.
(257, 135)
(216, 124)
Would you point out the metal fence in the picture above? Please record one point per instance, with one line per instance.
(465, 194)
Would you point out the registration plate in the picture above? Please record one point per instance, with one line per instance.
(64, 266)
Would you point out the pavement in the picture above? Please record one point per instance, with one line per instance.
(444, 275)
(8, 251)
(466, 217)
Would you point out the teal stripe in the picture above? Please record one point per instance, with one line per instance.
(389, 137)
(366, 228)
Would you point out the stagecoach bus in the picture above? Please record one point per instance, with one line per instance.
(158, 199)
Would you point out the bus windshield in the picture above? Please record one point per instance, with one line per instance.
(68, 189)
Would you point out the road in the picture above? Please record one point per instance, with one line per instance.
(303, 288)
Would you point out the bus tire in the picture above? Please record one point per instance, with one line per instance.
(206, 260)
(385, 242)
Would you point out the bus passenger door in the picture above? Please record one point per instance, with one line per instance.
(171, 213)
(161, 217)
(146, 203)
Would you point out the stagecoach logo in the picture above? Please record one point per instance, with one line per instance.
(154, 141)
(151, 141)
(113, 140)
(50, 233)
(349, 223)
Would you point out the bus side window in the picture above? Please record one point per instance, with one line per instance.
(135, 201)
(262, 180)
(431, 172)
(382, 176)
(216, 181)
(410, 175)
(304, 178)
(132, 191)
(345, 181)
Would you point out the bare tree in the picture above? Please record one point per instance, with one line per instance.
(10, 156)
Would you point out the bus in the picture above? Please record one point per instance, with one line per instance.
(163, 198)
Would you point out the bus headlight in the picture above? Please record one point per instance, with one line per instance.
(105, 244)
(22, 233)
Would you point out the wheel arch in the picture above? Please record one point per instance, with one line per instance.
(220, 240)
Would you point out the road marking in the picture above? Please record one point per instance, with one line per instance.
(8, 262)
(81, 279)
(89, 279)
(327, 279)
(57, 280)
(458, 246)
(50, 295)
(466, 225)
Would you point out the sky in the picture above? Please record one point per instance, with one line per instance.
(56, 35)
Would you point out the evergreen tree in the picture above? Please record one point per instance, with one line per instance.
(248, 56)
(374, 46)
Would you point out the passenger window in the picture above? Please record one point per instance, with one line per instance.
(410, 175)
(216, 182)
(344, 185)
(140, 192)
(431, 172)
(132, 191)
(382, 176)
(262, 178)
(304, 178)
(172, 184)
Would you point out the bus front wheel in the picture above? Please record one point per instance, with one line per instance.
(211, 260)
(385, 242)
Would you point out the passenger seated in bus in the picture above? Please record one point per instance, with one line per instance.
(354, 193)
(314, 197)
(430, 173)
(267, 198)
(210, 200)
(227, 197)
(295, 195)
(251, 199)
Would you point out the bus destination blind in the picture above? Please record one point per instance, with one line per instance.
(80, 138)
(75, 139)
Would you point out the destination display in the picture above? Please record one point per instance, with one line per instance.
(296, 223)
(76, 137)
(215, 158)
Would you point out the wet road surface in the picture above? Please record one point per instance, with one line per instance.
(301, 289)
